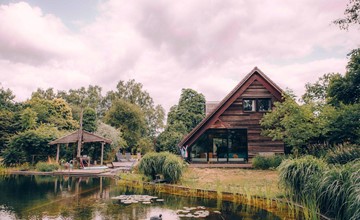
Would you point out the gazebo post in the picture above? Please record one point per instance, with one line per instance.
(102, 153)
(57, 153)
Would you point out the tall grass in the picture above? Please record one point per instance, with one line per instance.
(343, 154)
(332, 190)
(165, 163)
(300, 176)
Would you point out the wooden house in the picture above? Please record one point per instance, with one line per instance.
(231, 132)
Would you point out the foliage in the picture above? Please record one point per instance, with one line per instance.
(318, 91)
(173, 168)
(8, 126)
(294, 124)
(132, 92)
(190, 110)
(145, 145)
(344, 126)
(129, 119)
(13, 156)
(343, 154)
(345, 89)
(334, 190)
(165, 163)
(28, 118)
(352, 15)
(182, 118)
(47, 167)
(31, 144)
(89, 119)
(300, 176)
(56, 112)
(264, 163)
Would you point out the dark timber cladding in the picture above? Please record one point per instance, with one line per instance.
(240, 111)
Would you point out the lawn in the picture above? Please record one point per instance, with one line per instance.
(245, 181)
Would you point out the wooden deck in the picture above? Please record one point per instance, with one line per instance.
(221, 165)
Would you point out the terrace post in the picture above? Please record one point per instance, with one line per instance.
(57, 153)
(102, 153)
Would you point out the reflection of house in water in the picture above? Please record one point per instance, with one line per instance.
(231, 131)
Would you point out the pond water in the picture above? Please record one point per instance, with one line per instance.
(46, 197)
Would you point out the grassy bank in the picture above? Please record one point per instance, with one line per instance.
(262, 183)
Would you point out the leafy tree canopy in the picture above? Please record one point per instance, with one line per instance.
(346, 89)
(352, 15)
(133, 92)
(129, 119)
(89, 120)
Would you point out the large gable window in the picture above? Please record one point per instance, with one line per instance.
(253, 105)
(249, 105)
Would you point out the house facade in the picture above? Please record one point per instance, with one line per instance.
(231, 132)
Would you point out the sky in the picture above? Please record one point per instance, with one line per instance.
(205, 45)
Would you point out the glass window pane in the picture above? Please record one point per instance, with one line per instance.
(249, 104)
(264, 105)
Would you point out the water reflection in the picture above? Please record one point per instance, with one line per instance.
(45, 197)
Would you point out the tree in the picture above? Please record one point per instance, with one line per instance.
(352, 15)
(317, 92)
(133, 92)
(28, 119)
(190, 110)
(31, 145)
(48, 94)
(346, 89)
(292, 123)
(89, 120)
(56, 112)
(129, 119)
(113, 134)
(182, 118)
(9, 114)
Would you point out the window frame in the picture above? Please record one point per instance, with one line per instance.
(256, 105)
(253, 104)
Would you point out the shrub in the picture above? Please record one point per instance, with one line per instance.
(343, 154)
(165, 163)
(47, 167)
(300, 176)
(264, 163)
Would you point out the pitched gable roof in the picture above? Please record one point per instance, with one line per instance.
(229, 99)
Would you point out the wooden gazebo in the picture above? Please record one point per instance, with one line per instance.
(80, 136)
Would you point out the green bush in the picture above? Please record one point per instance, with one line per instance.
(264, 163)
(165, 163)
(47, 167)
(343, 154)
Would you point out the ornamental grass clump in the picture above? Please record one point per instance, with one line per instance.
(300, 177)
(164, 163)
(339, 192)
(173, 168)
(343, 154)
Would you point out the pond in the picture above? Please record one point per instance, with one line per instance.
(47, 197)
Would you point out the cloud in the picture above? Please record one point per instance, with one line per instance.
(205, 45)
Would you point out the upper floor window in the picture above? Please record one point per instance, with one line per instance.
(252, 105)
(264, 105)
(249, 105)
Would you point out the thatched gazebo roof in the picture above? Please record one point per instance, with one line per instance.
(74, 137)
